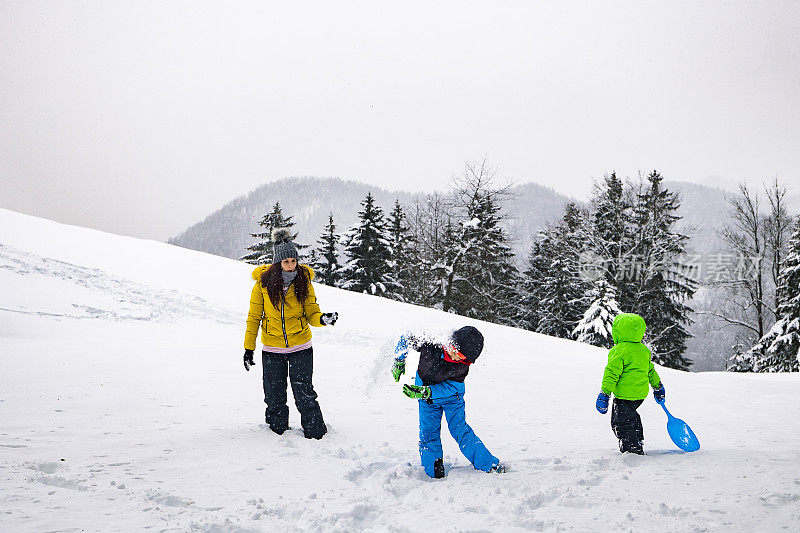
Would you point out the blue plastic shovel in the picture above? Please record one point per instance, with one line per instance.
(680, 432)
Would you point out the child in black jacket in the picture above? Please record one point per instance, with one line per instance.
(439, 387)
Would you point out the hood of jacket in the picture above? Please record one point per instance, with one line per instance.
(259, 270)
(628, 327)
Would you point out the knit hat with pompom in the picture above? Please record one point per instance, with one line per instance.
(282, 246)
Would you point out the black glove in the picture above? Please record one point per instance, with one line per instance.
(329, 319)
(248, 360)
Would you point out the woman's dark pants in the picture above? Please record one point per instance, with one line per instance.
(300, 366)
(627, 425)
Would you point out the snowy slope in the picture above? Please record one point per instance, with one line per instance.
(124, 405)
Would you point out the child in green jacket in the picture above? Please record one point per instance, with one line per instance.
(627, 374)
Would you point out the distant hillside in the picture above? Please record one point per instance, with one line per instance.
(704, 211)
(794, 200)
(530, 209)
(226, 232)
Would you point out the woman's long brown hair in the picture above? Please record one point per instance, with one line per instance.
(273, 281)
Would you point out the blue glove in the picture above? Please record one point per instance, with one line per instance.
(401, 350)
(659, 394)
(602, 402)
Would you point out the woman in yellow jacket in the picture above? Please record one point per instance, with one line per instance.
(283, 305)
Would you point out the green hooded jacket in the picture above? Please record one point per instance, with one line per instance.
(629, 368)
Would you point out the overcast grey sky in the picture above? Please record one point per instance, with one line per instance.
(142, 117)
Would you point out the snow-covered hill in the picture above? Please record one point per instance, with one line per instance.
(124, 405)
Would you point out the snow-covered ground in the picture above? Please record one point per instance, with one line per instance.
(124, 405)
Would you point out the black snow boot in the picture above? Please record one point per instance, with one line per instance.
(313, 425)
(438, 468)
(278, 429)
(637, 448)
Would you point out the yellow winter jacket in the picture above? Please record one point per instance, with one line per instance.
(285, 326)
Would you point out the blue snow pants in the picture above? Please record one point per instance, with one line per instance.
(430, 441)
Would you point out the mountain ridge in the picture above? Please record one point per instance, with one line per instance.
(226, 231)
(530, 208)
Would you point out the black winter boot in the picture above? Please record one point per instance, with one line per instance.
(637, 448)
(278, 429)
(313, 424)
(438, 468)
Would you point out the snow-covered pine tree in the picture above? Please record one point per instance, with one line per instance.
(326, 265)
(403, 251)
(661, 286)
(368, 252)
(533, 277)
(779, 349)
(495, 278)
(440, 261)
(610, 234)
(560, 300)
(312, 259)
(261, 251)
(595, 326)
